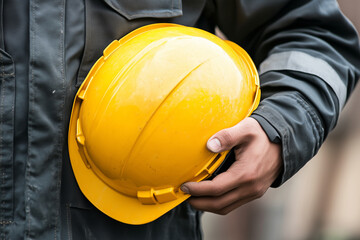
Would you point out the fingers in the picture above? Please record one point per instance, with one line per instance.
(258, 163)
(237, 204)
(224, 204)
(231, 137)
(227, 191)
(237, 175)
(221, 184)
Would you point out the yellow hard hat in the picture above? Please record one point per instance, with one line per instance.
(141, 119)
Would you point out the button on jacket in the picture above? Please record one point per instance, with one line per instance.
(306, 51)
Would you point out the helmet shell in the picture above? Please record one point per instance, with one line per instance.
(141, 119)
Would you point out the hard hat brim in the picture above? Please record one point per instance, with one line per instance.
(114, 204)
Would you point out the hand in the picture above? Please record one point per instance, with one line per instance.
(258, 163)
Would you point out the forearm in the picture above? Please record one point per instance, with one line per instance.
(308, 57)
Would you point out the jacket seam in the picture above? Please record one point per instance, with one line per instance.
(68, 217)
(61, 116)
(2, 123)
(33, 17)
(1, 135)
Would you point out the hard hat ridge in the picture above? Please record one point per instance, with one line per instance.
(142, 117)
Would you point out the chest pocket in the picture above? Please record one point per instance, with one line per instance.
(107, 20)
(146, 8)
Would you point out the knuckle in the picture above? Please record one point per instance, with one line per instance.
(251, 176)
(226, 137)
(259, 191)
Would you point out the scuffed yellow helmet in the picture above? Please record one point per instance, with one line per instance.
(141, 119)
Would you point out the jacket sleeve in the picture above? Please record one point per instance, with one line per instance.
(308, 56)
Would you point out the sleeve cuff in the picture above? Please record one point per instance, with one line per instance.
(274, 137)
(270, 131)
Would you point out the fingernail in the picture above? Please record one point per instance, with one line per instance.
(185, 189)
(214, 145)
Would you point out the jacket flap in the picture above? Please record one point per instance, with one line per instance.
(131, 9)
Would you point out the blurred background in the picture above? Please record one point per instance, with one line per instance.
(321, 202)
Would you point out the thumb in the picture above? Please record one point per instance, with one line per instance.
(228, 138)
(222, 140)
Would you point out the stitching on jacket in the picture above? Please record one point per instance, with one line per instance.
(33, 46)
(61, 115)
(2, 74)
(1, 137)
(4, 222)
(315, 122)
(68, 217)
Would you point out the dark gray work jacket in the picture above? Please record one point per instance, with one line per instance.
(306, 53)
